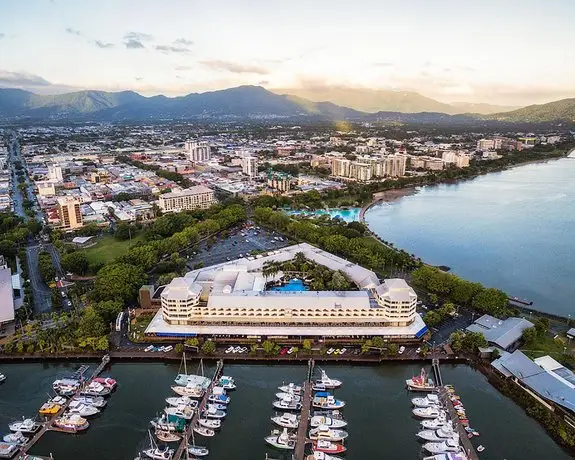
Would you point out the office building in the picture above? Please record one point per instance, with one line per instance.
(197, 197)
(250, 166)
(55, 173)
(198, 151)
(69, 212)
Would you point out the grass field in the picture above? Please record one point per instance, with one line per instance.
(108, 248)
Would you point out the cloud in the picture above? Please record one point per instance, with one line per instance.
(138, 36)
(234, 67)
(263, 82)
(183, 41)
(138, 78)
(382, 64)
(134, 44)
(2, 36)
(74, 32)
(184, 67)
(21, 79)
(172, 49)
(103, 45)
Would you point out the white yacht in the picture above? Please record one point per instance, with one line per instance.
(324, 382)
(331, 422)
(16, 438)
(326, 433)
(213, 412)
(325, 400)
(182, 411)
(283, 440)
(202, 430)
(291, 388)
(293, 396)
(439, 435)
(81, 409)
(96, 401)
(182, 400)
(449, 445)
(435, 423)
(2, 378)
(59, 400)
(95, 389)
(427, 412)
(287, 404)
(428, 401)
(8, 450)
(227, 382)
(286, 420)
(158, 453)
(322, 456)
(66, 387)
(198, 451)
(192, 391)
(448, 456)
(26, 426)
(210, 423)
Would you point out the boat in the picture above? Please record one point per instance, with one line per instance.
(185, 412)
(16, 438)
(327, 433)
(429, 401)
(49, 409)
(8, 450)
(420, 382)
(212, 412)
(218, 406)
(286, 404)
(71, 423)
(449, 445)
(322, 456)
(66, 387)
(81, 409)
(198, 451)
(427, 412)
(331, 422)
(107, 382)
(95, 389)
(282, 395)
(438, 435)
(324, 382)
(192, 379)
(227, 382)
(202, 430)
(291, 388)
(335, 414)
(448, 456)
(26, 426)
(95, 401)
(286, 420)
(213, 424)
(435, 423)
(2, 378)
(283, 440)
(190, 390)
(328, 447)
(167, 436)
(480, 448)
(219, 396)
(325, 400)
(60, 400)
(158, 453)
(182, 400)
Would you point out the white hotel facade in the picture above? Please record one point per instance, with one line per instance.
(231, 300)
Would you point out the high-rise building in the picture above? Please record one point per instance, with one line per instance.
(394, 165)
(69, 212)
(340, 167)
(360, 171)
(197, 197)
(55, 173)
(280, 181)
(250, 166)
(198, 151)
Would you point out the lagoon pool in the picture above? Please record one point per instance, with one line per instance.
(292, 285)
(347, 215)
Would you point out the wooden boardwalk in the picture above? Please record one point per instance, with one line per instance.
(464, 440)
(181, 451)
(301, 439)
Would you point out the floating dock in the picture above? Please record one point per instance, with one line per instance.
(301, 439)
(463, 439)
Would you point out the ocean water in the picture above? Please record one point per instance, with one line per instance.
(513, 230)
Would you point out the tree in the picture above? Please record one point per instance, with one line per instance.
(529, 336)
(393, 349)
(166, 278)
(378, 342)
(434, 299)
(108, 310)
(192, 342)
(91, 324)
(75, 262)
(542, 327)
(124, 231)
(209, 347)
(179, 348)
(432, 318)
(490, 300)
(268, 346)
(306, 345)
(118, 281)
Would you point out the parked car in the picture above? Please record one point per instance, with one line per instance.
(168, 348)
(330, 351)
(401, 350)
(342, 351)
(230, 349)
(291, 350)
(283, 351)
(418, 350)
(149, 348)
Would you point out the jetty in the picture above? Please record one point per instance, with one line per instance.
(182, 448)
(463, 439)
(49, 424)
(437, 372)
(301, 439)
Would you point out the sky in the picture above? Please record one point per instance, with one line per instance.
(511, 52)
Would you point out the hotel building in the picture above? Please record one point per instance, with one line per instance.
(197, 197)
(69, 212)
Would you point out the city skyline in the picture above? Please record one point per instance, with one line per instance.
(511, 54)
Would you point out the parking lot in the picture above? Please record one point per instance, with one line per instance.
(240, 242)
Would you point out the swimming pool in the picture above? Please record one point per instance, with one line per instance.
(292, 285)
(347, 215)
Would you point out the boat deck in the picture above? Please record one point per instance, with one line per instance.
(465, 442)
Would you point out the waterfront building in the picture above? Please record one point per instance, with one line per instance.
(233, 299)
(196, 197)
(198, 151)
(340, 167)
(505, 334)
(69, 212)
(250, 166)
(394, 165)
(362, 172)
(455, 158)
(6, 297)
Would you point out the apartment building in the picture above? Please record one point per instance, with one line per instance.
(69, 212)
(250, 166)
(197, 197)
(198, 151)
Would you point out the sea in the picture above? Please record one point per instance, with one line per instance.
(378, 411)
(512, 230)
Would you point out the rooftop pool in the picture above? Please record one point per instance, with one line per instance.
(292, 285)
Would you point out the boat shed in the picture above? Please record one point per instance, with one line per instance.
(505, 333)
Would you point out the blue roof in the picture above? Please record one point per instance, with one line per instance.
(502, 333)
(422, 331)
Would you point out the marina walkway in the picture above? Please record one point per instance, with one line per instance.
(464, 440)
(182, 448)
(301, 439)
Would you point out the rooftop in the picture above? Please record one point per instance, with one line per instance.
(195, 190)
(6, 296)
(503, 333)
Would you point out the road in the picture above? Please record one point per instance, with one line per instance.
(41, 293)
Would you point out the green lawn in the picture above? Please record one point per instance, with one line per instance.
(108, 248)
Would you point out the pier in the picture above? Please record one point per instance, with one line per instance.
(437, 372)
(463, 439)
(182, 448)
(302, 440)
(49, 424)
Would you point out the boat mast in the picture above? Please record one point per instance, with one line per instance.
(185, 365)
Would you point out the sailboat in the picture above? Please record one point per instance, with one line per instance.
(156, 453)
(197, 451)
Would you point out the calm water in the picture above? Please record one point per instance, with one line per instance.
(347, 215)
(292, 285)
(513, 230)
(378, 412)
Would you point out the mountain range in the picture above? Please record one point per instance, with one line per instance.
(255, 102)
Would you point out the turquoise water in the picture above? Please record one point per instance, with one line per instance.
(513, 230)
(347, 215)
(292, 285)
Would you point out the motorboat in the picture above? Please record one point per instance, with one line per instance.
(286, 420)
(291, 388)
(168, 423)
(81, 409)
(49, 409)
(26, 426)
(60, 400)
(218, 406)
(439, 435)
(335, 414)
(227, 382)
(182, 411)
(192, 379)
(95, 401)
(325, 382)
(219, 399)
(202, 430)
(16, 438)
(95, 389)
(283, 440)
(327, 433)
(182, 400)
(210, 423)
(325, 400)
(212, 412)
(2, 378)
(427, 412)
(420, 382)
(448, 456)
(282, 395)
(66, 387)
(71, 423)
(328, 447)
(428, 401)
(158, 453)
(322, 456)
(435, 423)
(449, 445)
(8, 450)
(318, 420)
(106, 382)
(287, 404)
(191, 391)
(167, 436)
(198, 451)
